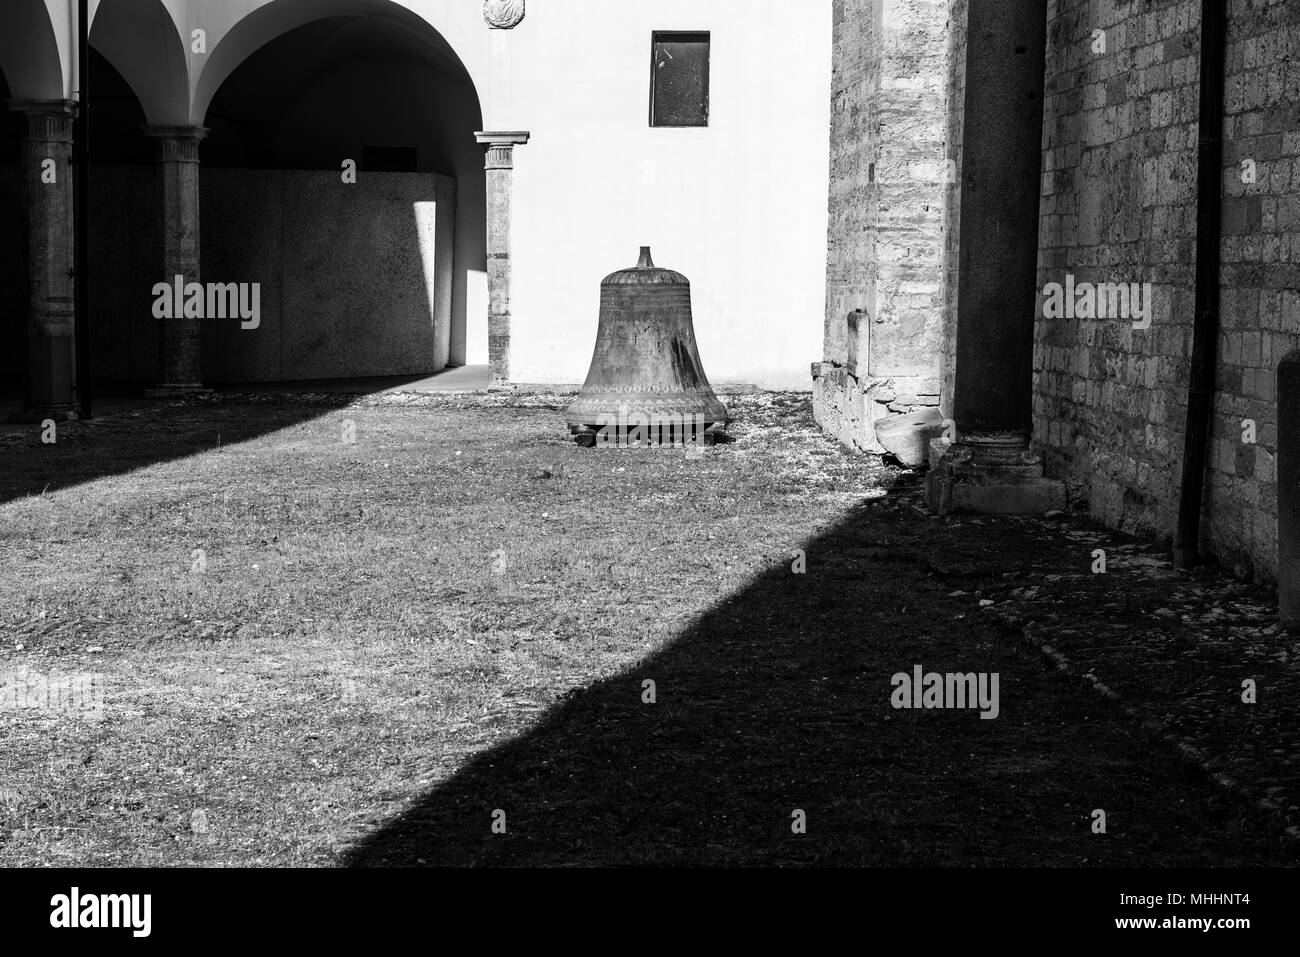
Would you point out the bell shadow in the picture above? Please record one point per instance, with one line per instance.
(776, 703)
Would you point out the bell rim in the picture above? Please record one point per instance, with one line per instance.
(587, 413)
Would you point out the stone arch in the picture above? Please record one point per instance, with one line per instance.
(142, 42)
(286, 92)
(30, 54)
(279, 17)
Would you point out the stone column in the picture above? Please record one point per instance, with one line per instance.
(1288, 490)
(500, 172)
(47, 184)
(179, 368)
(990, 467)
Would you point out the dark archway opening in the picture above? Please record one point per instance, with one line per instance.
(365, 279)
(13, 252)
(125, 243)
(125, 239)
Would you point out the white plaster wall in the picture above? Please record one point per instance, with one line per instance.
(739, 207)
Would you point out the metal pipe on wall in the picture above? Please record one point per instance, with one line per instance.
(80, 202)
(1205, 330)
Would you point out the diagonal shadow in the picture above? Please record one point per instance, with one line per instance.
(132, 433)
(777, 700)
(123, 442)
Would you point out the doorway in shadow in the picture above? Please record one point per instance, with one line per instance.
(13, 259)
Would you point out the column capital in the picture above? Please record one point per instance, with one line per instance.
(48, 121)
(511, 138)
(177, 144)
(501, 147)
(50, 107)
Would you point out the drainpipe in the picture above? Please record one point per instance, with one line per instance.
(1205, 330)
(80, 202)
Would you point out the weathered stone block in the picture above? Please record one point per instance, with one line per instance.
(857, 329)
(908, 437)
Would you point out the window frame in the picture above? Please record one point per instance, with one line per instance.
(698, 36)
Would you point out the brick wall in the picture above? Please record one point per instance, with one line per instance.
(1119, 180)
(1261, 276)
(1119, 205)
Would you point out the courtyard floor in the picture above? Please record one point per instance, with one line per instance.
(329, 629)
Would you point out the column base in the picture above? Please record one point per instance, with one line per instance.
(177, 391)
(989, 481)
(35, 414)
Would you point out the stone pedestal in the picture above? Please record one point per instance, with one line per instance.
(179, 356)
(49, 390)
(500, 166)
(989, 480)
(991, 468)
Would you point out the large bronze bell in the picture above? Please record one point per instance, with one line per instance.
(646, 373)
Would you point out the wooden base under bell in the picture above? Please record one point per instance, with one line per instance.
(614, 438)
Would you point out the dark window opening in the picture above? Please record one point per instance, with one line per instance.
(391, 159)
(679, 80)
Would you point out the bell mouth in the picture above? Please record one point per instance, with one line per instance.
(596, 410)
(651, 431)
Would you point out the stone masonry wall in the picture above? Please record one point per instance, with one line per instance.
(884, 284)
(913, 175)
(1119, 206)
(855, 196)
